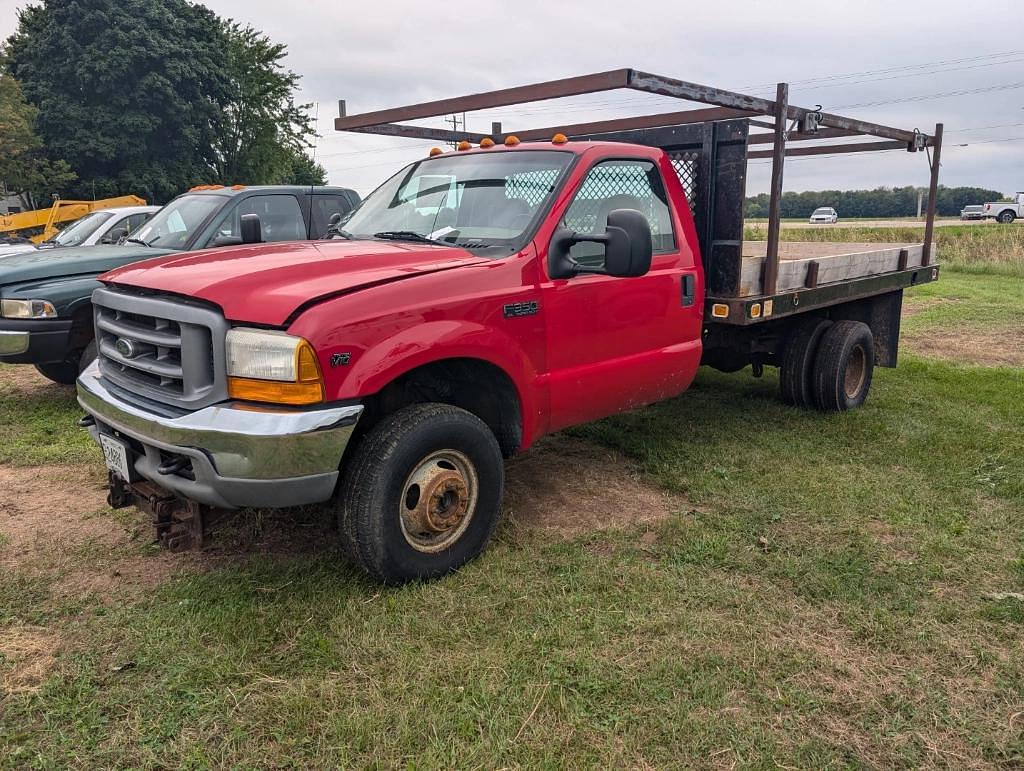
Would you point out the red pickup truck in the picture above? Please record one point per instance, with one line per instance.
(477, 300)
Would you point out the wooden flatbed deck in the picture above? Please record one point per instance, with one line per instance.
(836, 262)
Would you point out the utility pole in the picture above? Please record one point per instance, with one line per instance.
(457, 124)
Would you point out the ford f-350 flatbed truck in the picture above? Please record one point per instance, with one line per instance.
(477, 300)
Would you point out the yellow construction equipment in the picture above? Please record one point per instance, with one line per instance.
(61, 211)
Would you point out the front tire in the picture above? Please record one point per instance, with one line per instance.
(421, 494)
(66, 372)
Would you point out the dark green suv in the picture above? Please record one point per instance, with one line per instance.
(45, 296)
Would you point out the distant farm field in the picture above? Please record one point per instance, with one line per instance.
(716, 581)
(985, 248)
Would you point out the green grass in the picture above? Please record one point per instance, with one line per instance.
(817, 602)
(39, 427)
(988, 249)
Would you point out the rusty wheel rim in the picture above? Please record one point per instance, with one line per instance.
(438, 501)
(856, 371)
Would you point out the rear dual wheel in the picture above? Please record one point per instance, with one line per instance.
(421, 495)
(828, 365)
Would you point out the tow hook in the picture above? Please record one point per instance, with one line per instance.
(179, 525)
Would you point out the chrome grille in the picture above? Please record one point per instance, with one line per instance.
(164, 349)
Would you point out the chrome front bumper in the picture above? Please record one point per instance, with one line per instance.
(240, 454)
(12, 343)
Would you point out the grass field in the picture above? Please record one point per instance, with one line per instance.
(989, 249)
(822, 593)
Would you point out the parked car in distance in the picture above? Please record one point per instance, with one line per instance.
(972, 212)
(45, 306)
(824, 215)
(103, 226)
(1005, 211)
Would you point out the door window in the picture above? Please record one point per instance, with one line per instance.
(280, 218)
(621, 184)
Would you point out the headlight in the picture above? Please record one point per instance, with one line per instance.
(270, 366)
(27, 309)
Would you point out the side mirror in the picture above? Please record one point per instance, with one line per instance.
(332, 225)
(627, 247)
(114, 236)
(249, 227)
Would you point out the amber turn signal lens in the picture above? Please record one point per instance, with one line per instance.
(274, 392)
(486, 142)
(464, 145)
(511, 140)
(435, 151)
(559, 139)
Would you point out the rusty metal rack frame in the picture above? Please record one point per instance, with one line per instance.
(789, 124)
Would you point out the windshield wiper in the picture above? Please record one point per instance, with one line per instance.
(135, 241)
(407, 235)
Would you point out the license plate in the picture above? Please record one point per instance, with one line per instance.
(115, 452)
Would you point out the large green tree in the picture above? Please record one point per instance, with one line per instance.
(262, 133)
(129, 92)
(23, 169)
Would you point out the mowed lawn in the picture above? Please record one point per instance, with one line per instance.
(828, 591)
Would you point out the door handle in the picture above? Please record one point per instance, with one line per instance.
(689, 289)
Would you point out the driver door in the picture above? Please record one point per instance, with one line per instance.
(618, 343)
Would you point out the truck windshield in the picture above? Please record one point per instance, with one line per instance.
(174, 225)
(478, 201)
(80, 229)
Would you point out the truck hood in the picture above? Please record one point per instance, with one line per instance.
(41, 264)
(267, 283)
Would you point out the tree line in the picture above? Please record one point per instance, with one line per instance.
(105, 97)
(880, 202)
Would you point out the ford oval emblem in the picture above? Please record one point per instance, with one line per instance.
(125, 347)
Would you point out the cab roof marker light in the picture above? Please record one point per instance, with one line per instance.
(486, 142)
(511, 140)
(464, 145)
(435, 151)
(559, 139)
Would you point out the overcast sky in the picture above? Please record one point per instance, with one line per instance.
(902, 64)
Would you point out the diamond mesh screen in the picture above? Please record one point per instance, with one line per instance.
(685, 164)
(531, 186)
(627, 184)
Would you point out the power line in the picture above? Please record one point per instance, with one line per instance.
(827, 81)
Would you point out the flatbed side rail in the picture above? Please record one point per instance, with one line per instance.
(721, 232)
(744, 311)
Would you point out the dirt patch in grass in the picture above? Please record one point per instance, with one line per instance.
(27, 656)
(23, 379)
(54, 522)
(568, 486)
(914, 305)
(996, 346)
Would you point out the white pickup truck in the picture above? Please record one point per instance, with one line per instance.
(1005, 211)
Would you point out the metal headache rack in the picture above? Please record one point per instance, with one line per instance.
(709, 149)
